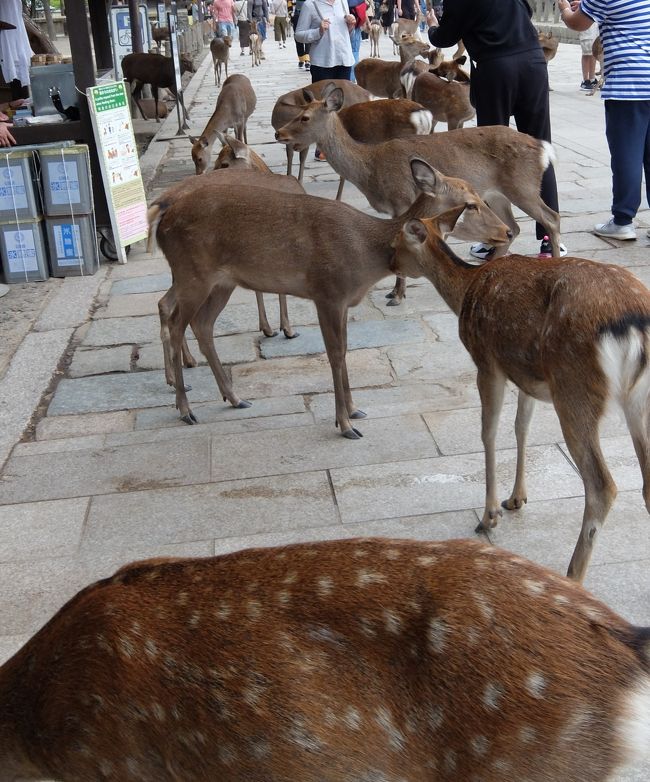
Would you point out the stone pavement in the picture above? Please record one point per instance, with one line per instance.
(105, 473)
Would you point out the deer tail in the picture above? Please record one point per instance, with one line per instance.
(407, 78)
(154, 216)
(548, 155)
(422, 121)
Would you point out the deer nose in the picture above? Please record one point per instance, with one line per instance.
(509, 234)
(277, 135)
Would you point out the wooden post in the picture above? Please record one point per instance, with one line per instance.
(101, 33)
(136, 34)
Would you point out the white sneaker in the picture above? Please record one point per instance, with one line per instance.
(481, 251)
(611, 230)
(4, 289)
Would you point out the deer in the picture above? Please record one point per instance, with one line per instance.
(236, 154)
(496, 160)
(549, 44)
(374, 34)
(597, 52)
(292, 103)
(250, 174)
(382, 78)
(451, 70)
(343, 252)
(448, 101)
(140, 68)
(569, 331)
(220, 51)
(235, 104)
(221, 668)
(255, 45)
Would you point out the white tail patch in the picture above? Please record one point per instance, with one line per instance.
(422, 121)
(548, 155)
(634, 724)
(408, 80)
(627, 373)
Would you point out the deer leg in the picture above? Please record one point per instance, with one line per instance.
(203, 327)
(636, 416)
(179, 316)
(303, 159)
(264, 325)
(154, 92)
(491, 387)
(215, 73)
(164, 307)
(245, 132)
(289, 151)
(353, 411)
(398, 293)
(330, 318)
(502, 208)
(579, 418)
(137, 93)
(525, 408)
(339, 192)
(285, 324)
(239, 133)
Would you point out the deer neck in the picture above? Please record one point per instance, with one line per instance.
(349, 158)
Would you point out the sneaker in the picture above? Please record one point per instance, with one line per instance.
(587, 85)
(242, 53)
(318, 155)
(481, 251)
(300, 64)
(307, 66)
(612, 230)
(545, 250)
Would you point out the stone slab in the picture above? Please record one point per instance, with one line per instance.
(319, 447)
(120, 522)
(625, 589)
(38, 530)
(60, 445)
(209, 412)
(99, 361)
(364, 334)
(129, 305)
(151, 283)
(10, 644)
(140, 264)
(103, 471)
(71, 304)
(419, 299)
(621, 460)
(84, 424)
(308, 375)
(103, 393)
(446, 483)
(237, 348)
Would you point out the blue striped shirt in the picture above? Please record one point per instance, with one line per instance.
(625, 33)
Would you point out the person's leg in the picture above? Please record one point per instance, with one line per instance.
(355, 40)
(626, 127)
(588, 68)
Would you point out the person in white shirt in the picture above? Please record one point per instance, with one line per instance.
(326, 26)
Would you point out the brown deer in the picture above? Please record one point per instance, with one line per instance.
(549, 44)
(255, 45)
(495, 159)
(235, 104)
(342, 253)
(235, 154)
(448, 101)
(364, 659)
(566, 330)
(451, 70)
(140, 68)
(597, 52)
(220, 51)
(382, 78)
(292, 103)
(374, 34)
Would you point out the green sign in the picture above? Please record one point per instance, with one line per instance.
(109, 96)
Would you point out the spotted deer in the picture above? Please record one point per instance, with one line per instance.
(569, 331)
(361, 659)
(342, 253)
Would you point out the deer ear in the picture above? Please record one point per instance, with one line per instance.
(334, 99)
(461, 60)
(222, 139)
(415, 231)
(446, 221)
(425, 176)
(308, 96)
(193, 139)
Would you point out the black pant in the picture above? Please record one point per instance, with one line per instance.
(336, 72)
(302, 49)
(517, 86)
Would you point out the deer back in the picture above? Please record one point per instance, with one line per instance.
(453, 660)
(379, 120)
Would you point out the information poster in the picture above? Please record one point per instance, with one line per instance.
(119, 162)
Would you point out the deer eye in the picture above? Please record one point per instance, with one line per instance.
(471, 206)
(304, 119)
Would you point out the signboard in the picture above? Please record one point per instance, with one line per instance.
(121, 34)
(118, 157)
(162, 14)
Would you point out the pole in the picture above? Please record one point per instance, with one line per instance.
(136, 32)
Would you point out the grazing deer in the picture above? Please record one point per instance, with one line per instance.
(342, 253)
(292, 103)
(235, 104)
(363, 659)
(382, 78)
(220, 51)
(494, 159)
(374, 34)
(235, 154)
(566, 330)
(448, 101)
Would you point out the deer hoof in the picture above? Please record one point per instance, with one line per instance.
(243, 403)
(291, 334)
(352, 434)
(393, 302)
(391, 294)
(270, 333)
(358, 414)
(190, 419)
(514, 503)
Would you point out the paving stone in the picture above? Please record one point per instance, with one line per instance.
(60, 445)
(440, 526)
(99, 361)
(445, 483)
(38, 530)
(128, 305)
(319, 447)
(151, 283)
(54, 427)
(308, 375)
(419, 299)
(209, 412)
(10, 644)
(103, 393)
(237, 348)
(625, 589)
(286, 502)
(72, 302)
(140, 264)
(365, 334)
(87, 472)
(621, 460)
